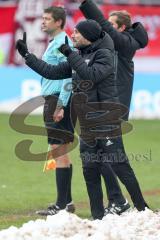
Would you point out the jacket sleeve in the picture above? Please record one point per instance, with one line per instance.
(65, 92)
(60, 71)
(121, 40)
(66, 89)
(98, 71)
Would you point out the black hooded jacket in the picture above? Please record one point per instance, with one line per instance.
(126, 43)
(92, 70)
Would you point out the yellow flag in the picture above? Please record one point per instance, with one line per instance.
(50, 163)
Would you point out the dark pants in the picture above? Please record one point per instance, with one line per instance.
(108, 160)
(61, 132)
(127, 177)
(92, 176)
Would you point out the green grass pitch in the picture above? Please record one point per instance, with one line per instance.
(24, 187)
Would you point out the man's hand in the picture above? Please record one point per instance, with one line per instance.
(21, 46)
(65, 48)
(58, 114)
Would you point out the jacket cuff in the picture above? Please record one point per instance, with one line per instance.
(59, 104)
(75, 60)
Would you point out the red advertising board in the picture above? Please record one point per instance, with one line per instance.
(7, 19)
(148, 15)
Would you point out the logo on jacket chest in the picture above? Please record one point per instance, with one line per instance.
(87, 61)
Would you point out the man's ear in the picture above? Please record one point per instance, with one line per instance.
(59, 22)
(122, 28)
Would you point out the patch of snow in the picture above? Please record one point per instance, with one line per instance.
(132, 225)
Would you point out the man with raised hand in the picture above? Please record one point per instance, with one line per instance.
(127, 38)
(93, 76)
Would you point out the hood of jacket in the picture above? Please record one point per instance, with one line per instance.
(139, 33)
(105, 42)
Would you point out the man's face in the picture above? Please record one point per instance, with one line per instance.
(78, 39)
(49, 25)
(113, 21)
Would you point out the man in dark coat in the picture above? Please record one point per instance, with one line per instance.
(127, 38)
(94, 65)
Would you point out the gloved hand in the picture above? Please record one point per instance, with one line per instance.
(21, 46)
(65, 48)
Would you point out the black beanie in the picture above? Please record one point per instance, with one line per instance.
(90, 29)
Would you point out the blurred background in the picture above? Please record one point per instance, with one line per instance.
(18, 83)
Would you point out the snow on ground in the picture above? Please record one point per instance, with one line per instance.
(129, 226)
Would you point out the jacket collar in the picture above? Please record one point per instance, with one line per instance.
(104, 42)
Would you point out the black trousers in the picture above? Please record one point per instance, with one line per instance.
(108, 161)
(58, 132)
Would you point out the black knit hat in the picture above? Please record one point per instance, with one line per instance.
(90, 29)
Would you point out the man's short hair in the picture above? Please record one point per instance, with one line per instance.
(123, 18)
(58, 13)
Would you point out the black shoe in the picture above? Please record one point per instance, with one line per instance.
(146, 205)
(51, 210)
(118, 209)
(70, 207)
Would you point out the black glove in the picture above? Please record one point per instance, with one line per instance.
(65, 48)
(21, 46)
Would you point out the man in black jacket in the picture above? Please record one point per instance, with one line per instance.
(127, 38)
(94, 66)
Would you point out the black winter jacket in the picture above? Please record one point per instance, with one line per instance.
(93, 66)
(126, 43)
